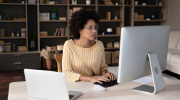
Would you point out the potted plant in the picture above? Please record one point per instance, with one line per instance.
(88, 2)
(1, 46)
(22, 1)
(49, 56)
(1, 14)
(32, 37)
(17, 33)
(136, 2)
(53, 13)
(117, 3)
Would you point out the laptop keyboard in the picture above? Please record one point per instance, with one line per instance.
(107, 84)
(71, 96)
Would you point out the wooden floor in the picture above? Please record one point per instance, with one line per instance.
(7, 77)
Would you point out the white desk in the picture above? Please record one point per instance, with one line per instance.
(18, 91)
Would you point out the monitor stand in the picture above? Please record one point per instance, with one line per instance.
(156, 72)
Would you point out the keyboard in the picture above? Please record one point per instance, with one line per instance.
(71, 96)
(107, 84)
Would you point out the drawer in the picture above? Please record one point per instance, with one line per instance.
(19, 57)
(20, 65)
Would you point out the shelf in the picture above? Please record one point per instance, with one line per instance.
(19, 52)
(110, 21)
(149, 20)
(12, 37)
(53, 36)
(150, 6)
(31, 4)
(111, 48)
(53, 21)
(114, 35)
(82, 5)
(13, 4)
(128, 5)
(12, 20)
(110, 5)
(54, 4)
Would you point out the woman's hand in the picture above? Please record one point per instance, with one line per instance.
(109, 75)
(98, 79)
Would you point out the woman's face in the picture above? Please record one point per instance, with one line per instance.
(89, 31)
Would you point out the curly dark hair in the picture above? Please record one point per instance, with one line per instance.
(79, 19)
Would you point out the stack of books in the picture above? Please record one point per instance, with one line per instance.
(107, 2)
(61, 32)
(44, 16)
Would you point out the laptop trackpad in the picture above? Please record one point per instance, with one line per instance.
(74, 94)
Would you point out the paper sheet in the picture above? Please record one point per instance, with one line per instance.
(144, 80)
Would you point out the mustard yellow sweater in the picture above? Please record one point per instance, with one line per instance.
(79, 61)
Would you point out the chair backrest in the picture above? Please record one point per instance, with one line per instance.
(58, 58)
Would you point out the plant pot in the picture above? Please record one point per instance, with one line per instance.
(22, 2)
(115, 17)
(88, 2)
(1, 49)
(50, 63)
(136, 3)
(32, 45)
(53, 16)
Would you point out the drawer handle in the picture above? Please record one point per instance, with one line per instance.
(17, 55)
(17, 63)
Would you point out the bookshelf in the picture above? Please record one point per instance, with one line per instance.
(34, 24)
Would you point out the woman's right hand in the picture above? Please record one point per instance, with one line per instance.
(99, 79)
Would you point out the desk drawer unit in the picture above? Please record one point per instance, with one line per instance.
(19, 61)
(19, 57)
(19, 65)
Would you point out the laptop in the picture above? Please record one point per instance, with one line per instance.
(48, 85)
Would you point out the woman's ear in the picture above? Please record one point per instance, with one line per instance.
(80, 31)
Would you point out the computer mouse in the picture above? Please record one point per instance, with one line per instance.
(98, 87)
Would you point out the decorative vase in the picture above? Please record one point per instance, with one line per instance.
(22, 2)
(53, 16)
(12, 34)
(88, 2)
(136, 3)
(115, 17)
(117, 3)
(50, 63)
(1, 49)
(32, 44)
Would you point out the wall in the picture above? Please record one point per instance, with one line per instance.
(174, 14)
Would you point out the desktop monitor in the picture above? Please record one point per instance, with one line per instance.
(143, 51)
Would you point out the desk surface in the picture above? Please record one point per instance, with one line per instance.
(18, 91)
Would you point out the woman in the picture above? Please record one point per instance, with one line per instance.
(84, 57)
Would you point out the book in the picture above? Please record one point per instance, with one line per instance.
(66, 31)
(51, 2)
(59, 32)
(62, 18)
(2, 31)
(76, 9)
(65, 1)
(108, 15)
(70, 13)
(62, 31)
(55, 33)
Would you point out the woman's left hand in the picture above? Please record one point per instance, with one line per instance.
(109, 75)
